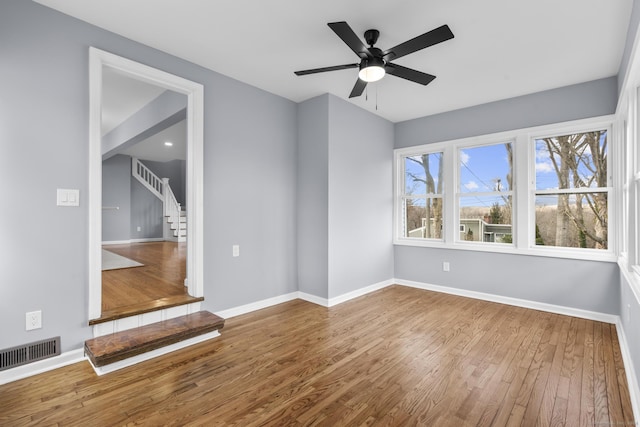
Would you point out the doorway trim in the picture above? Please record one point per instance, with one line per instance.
(195, 123)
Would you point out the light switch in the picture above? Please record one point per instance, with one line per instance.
(68, 197)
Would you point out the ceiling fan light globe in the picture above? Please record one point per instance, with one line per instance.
(372, 73)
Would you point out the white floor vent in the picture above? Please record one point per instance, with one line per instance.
(23, 354)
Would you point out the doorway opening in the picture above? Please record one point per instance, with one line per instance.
(133, 230)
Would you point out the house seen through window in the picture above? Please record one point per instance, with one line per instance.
(485, 193)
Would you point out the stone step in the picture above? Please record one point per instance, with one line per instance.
(119, 346)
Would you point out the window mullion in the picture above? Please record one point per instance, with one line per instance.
(524, 218)
(450, 213)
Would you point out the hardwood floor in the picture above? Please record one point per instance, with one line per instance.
(161, 276)
(399, 356)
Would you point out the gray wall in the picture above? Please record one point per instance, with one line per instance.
(580, 101)
(345, 197)
(503, 274)
(249, 176)
(146, 212)
(585, 285)
(313, 196)
(116, 192)
(176, 171)
(249, 194)
(360, 198)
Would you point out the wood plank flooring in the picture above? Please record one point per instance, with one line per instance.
(399, 357)
(161, 276)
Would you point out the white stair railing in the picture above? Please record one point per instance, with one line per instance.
(171, 206)
(147, 178)
(162, 190)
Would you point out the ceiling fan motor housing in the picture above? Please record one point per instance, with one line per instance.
(371, 36)
(372, 62)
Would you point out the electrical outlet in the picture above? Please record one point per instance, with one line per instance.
(33, 320)
(236, 250)
(139, 228)
(445, 266)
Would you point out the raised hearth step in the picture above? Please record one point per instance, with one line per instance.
(112, 348)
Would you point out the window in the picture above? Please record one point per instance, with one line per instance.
(485, 192)
(540, 191)
(571, 190)
(422, 196)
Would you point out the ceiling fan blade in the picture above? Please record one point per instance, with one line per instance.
(409, 74)
(324, 69)
(358, 88)
(427, 39)
(344, 31)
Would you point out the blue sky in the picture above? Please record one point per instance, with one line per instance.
(482, 169)
(546, 176)
(485, 169)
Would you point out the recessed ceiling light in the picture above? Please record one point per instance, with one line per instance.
(168, 143)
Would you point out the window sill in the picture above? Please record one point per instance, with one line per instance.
(549, 252)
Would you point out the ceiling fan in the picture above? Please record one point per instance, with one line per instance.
(375, 63)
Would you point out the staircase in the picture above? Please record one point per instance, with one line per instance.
(175, 227)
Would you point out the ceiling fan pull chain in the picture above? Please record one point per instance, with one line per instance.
(366, 94)
(376, 97)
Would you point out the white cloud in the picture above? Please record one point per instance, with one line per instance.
(545, 167)
(464, 157)
(471, 185)
(542, 153)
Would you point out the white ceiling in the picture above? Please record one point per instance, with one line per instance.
(154, 149)
(501, 49)
(123, 96)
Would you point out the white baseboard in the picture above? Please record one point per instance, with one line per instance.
(360, 292)
(314, 299)
(551, 308)
(148, 239)
(126, 242)
(151, 354)
(629, 369)
(248, 308)
(24, 371)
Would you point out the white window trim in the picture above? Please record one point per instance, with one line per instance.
(523, 191)
(628, 160)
